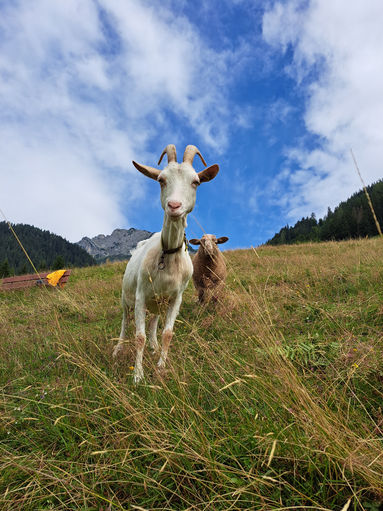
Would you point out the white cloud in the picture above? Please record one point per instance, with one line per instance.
(84, 87)
(337, 62)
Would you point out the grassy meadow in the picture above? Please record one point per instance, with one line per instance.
(271, 400)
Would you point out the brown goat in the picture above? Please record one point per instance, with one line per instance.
(209, 267)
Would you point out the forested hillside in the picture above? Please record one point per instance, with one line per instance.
(351, 219)
(47, 251)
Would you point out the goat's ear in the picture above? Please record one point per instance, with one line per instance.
(208, 174)
(194, 241)
(222, 239)
(148, 171)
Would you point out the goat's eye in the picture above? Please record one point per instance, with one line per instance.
(162, 182)
(195, 183)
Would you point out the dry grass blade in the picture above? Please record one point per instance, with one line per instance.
(367, 195)
(272, 451)
(347, 505)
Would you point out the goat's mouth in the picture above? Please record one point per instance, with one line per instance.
(175, 213)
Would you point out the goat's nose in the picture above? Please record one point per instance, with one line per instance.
(174, 204)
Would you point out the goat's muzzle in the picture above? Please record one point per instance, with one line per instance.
(174, 208)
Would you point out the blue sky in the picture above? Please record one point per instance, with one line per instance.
(276, 93)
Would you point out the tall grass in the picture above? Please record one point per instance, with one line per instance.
(271, 400)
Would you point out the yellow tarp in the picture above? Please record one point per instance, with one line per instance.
(54, 277)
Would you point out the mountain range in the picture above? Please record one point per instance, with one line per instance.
(352, 218)
(116, 246)
(50, 251)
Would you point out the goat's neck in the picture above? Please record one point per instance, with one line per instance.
(208, 258)
(172, 234)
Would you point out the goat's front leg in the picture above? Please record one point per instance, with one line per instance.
(153, 333)
(140, 312)
(167, 334)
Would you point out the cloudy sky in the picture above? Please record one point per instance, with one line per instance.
(276, 93)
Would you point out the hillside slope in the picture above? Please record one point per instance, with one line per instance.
(350, 219)
(43, 248)
(272, 398)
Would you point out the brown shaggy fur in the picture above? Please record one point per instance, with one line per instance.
(209, 268)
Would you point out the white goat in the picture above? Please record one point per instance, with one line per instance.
(160, 267)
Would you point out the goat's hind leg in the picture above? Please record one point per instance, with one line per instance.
(121, 347)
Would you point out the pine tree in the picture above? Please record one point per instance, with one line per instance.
(42, 265)
(23, 270)
(5, 270)
(58, 263)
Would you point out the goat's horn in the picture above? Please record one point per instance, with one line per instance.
(147, 171)
(190, 152)
(170, 150)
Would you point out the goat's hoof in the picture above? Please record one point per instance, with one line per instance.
(155, 349)
(161, 363)
(119, 350)
(138, 376)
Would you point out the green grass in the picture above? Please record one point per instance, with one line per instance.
(272, 398)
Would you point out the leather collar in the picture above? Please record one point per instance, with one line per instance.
(161, 263)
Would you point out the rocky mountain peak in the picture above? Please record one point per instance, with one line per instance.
(116, 246)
